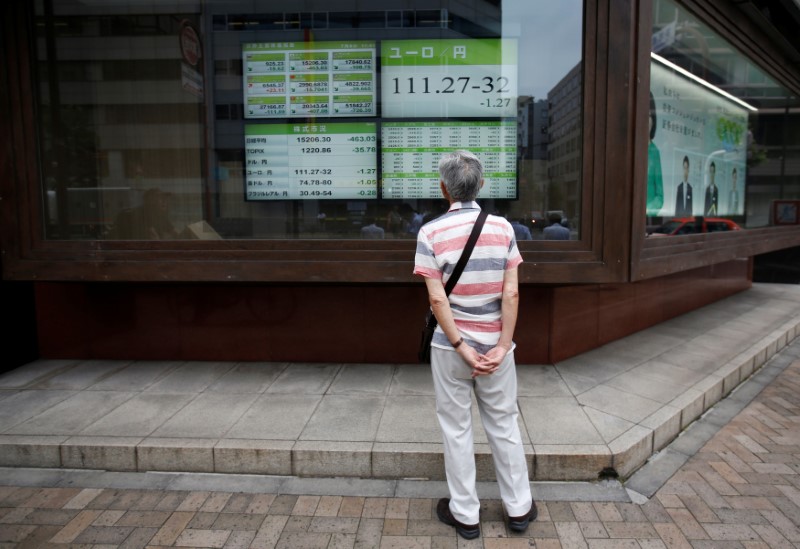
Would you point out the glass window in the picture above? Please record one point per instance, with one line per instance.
(326, 123)
(722, 146)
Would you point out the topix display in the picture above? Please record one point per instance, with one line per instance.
(309, 79)
(311, 161)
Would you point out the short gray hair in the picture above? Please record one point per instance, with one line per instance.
(462, 173)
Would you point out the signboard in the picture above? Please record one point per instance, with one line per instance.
(311, 161)
(411, 151)
(699, 146)
(309, 79)
(449, 78)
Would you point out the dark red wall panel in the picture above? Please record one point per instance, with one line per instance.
(362, 324)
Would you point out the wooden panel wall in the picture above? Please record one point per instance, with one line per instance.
(360, 324)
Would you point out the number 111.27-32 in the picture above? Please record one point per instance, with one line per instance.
(460, 84)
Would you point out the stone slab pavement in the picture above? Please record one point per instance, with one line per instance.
(737, 488)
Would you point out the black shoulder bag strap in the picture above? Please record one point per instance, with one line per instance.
(462, 262)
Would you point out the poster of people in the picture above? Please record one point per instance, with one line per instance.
(697, 151)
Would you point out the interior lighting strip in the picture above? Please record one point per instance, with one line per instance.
(702, 82)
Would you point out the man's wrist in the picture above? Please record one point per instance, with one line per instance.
(458, 343)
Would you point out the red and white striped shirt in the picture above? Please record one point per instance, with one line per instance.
(476, 300)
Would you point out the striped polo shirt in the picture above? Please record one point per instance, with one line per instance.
(476, 299)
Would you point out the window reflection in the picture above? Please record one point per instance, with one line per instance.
(720, 153)
(143, 118)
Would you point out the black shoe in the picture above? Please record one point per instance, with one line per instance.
(466, 531)
(520, 524)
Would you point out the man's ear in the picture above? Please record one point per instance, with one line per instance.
(443, 189)
(481, 183)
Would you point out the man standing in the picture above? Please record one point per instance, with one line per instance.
(683, 198)
(555, 231)
(712, 192)
(472, 347)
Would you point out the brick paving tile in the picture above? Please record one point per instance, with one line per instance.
(328, 506)
(305, 506)
(731, 532)
(686, 522)
(203, 521)
(297, 524)
(420, 509)
(193, 501)
(144, 518)
(282, 505)
(202, 538)
(108, 518)
(542, 529)
(607, 512)
(16, 516)
(374, 508)
(493, 529)
(497, 543)
(613, 544)
(593, 529)
(82, 498)
(584, 512)
(741, 516)
(237, 503)
(15, 532)
(216, 502)
(138, 538)
(260, 504)
(698, 507)
(351, 507)
(630, 530)
(655, 512)
(342, 541)
(170, 501)
(432, 527)
(240, 539)
(338, 525)
(651, 544)
(369, 533)
(570, 535)
(237, 521)
(397, 508)
(303, 540)
(49, 516)
(74, 527)
(561, 511)
(104, 534)
(491, 510)
(148, 501)
(395, 527)
(771, 536)
(270, 531)
(171, 529)
(38, 538)
(546, 543)
(788, 508)
(405, 542)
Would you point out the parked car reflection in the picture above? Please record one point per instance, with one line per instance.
(695, 225)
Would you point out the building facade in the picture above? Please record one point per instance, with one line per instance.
(190, 180)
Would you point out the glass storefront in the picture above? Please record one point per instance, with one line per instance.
(216, 122)
(724, 149)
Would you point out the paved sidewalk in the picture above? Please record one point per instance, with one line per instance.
(612, 407)
(740, 491)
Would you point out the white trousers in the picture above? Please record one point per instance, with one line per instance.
(497, 402)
